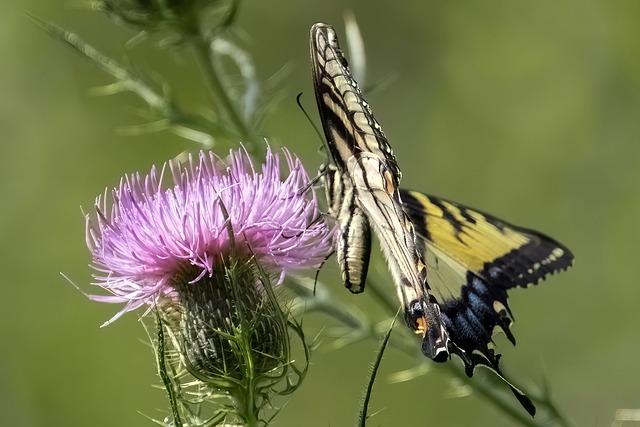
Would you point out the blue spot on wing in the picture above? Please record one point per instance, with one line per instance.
(470, 321)
(471, 318)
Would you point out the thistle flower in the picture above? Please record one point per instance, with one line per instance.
(149, 237)
(204, 254)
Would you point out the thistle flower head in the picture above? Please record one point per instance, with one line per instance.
(148, 238)
(204, 254)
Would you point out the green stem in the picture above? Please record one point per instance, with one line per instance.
(243, 404)
(162, 371)
(245, 395)
(202, 48)
(364, 406)
(251, 387)
(251, 419)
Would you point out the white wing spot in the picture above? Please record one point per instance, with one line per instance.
(498, 307)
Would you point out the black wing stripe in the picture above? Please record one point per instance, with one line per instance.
(415, 209)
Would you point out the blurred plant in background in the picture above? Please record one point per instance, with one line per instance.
(203, 258)
(204, 28)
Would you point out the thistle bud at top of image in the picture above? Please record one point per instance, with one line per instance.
(145, 14)
(204, 251)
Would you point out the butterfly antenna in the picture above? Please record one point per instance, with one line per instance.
(315, 279)
(317, 178)
(315, 127)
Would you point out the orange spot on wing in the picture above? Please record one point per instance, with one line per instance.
(422, 326)
(388, 180)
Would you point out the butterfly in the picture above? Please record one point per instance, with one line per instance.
(362, 187)
(452, 265)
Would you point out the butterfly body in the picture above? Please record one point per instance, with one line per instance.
(353, 248)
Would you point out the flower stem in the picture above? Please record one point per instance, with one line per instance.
(132, 81)
(243, 406)
(204, 55)
(162, 371)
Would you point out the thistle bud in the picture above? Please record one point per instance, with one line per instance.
(145, 14)
(228, 323)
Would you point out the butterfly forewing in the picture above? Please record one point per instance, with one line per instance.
(363, 157)
(347, 120)
(378, 197)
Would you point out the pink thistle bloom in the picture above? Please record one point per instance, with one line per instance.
(148, 237)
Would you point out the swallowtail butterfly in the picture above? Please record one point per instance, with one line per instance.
(452, 265)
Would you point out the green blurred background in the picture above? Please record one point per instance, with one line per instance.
(528, 110)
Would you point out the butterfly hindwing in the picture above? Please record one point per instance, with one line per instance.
(473, 259)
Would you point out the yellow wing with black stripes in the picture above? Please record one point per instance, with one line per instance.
(473, 259)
